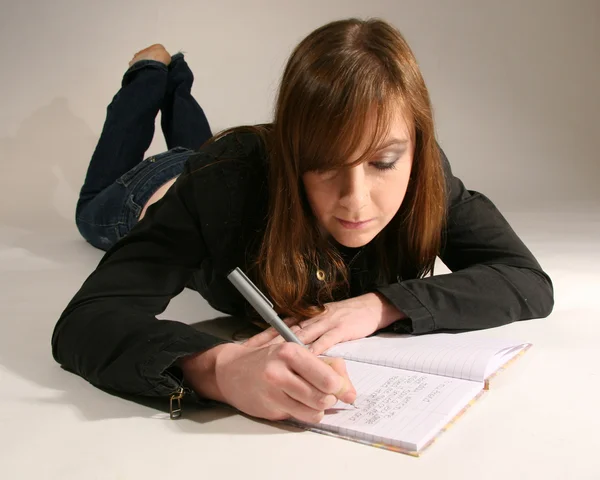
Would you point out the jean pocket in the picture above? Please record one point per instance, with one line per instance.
(129, 176)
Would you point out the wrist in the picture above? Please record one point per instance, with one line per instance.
(388, 311)
(200, 370)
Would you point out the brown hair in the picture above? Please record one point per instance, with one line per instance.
(340, 89)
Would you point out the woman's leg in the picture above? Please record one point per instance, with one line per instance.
(129, 125)
(183, 121)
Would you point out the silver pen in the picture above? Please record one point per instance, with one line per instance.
(261, 304)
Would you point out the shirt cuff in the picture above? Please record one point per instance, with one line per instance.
(420, 319)
(160, 370)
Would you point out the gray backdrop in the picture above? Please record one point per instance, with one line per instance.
(514, 86)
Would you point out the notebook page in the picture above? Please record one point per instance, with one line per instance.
(452, 355)
(502, 358)
(396, 407)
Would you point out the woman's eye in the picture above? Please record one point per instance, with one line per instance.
(384, 165)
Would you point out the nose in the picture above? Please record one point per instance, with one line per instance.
(354, 189)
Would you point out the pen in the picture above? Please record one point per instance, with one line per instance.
(262, 305)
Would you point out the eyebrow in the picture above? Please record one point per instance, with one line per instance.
(393, 141)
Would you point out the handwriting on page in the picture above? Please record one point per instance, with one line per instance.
(397, 405)
(393, 396)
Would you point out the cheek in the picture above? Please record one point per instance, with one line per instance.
(319, 197)
(391, 192)
(322, 201)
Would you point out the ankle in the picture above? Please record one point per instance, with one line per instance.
(155, 52)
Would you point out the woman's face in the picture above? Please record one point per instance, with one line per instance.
(354, 205)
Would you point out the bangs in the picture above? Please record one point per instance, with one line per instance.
(346, 120)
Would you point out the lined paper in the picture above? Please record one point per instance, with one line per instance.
(397, 407)
(451, 355)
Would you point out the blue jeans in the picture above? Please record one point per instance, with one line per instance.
(119, 181)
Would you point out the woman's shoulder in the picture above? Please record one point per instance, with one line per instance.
(228, 183)
(233, 163)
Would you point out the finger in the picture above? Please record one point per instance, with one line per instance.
(347, 393)
(300, 390)
(327, 340)
(314, 331)
(279, 339)
(309, 321)
(299, 411)
(309, 367)
(339, 365)
(316, 318)
(262, 338)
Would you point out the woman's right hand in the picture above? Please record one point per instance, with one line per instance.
(275, 382)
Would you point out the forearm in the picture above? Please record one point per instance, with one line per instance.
(495, 280)
(482, 296)
(124, 351)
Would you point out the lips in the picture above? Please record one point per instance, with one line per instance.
(353, 225)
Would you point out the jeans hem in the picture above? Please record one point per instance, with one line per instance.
(146, 63)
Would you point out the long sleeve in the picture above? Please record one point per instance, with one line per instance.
(495, 279)
(109, 333)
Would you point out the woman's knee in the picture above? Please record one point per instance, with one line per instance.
(99, 236)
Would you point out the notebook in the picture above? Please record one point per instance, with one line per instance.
(411, 388)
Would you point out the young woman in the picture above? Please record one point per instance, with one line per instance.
(336, 210)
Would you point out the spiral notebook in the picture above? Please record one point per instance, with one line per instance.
(411, 388)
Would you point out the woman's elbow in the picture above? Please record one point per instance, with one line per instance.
(541, 298)
(56, 342)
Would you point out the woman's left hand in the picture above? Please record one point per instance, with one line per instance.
(342, 321)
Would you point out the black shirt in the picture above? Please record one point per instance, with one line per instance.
(206, 225)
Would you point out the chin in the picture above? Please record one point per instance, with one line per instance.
(355, 240)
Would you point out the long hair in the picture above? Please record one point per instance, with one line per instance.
(340, 89)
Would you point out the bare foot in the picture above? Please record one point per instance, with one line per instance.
(154, 52)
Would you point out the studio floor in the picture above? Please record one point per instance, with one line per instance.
(538, 420)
